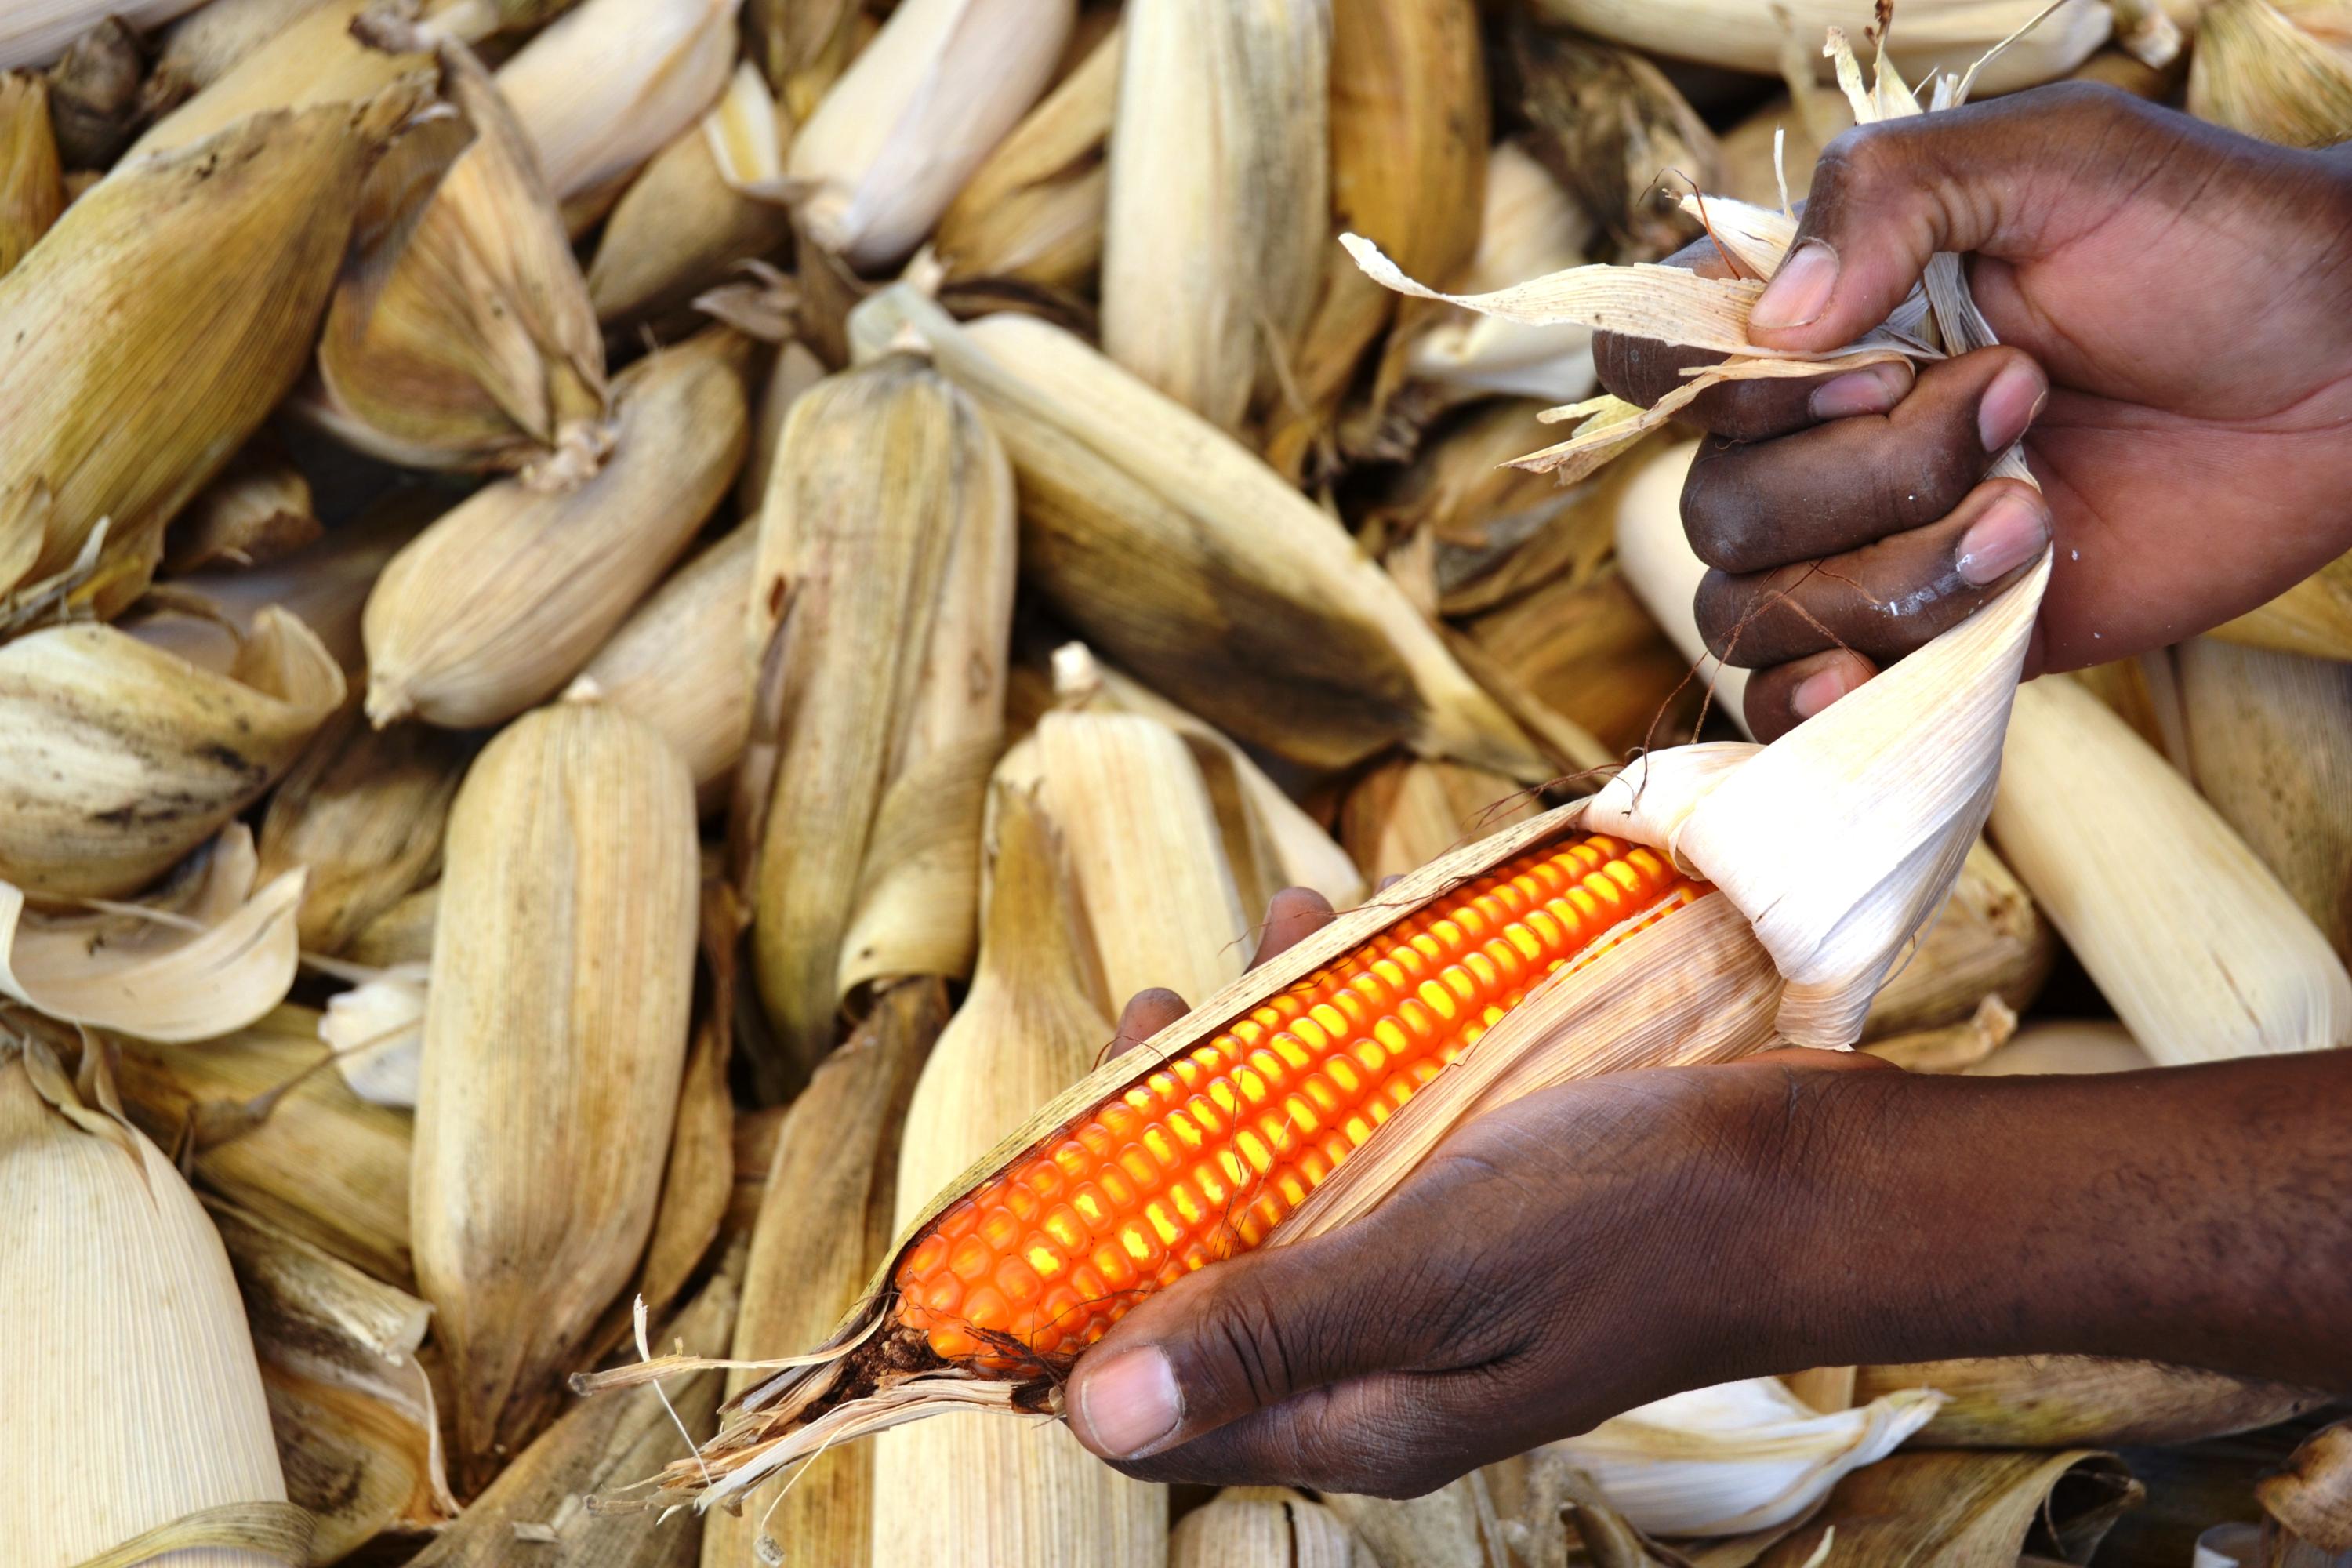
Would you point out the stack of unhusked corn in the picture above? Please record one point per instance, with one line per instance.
(626, 625)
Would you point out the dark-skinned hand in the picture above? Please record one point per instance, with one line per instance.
(2174, 303)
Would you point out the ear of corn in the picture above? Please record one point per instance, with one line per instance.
(363, 815)
(1002, 1492)
(884, 575)
(262, 1126)
(32, 184)
(200, 48)
(123, 758)
(503, 600)
(256, 509)
(171, 308)
(2079, 1401)
(822, 1226)
(1221, 139)
(1034, 209)
(2280, 72)
(121, 1292)
(1186, 558)
(612, 82)
(1610, 127)
(802, 47)
(466, 339)
(1968, 1507)
(2313, 617)
(917, 109)
(555, 1034)
(1263, 1527)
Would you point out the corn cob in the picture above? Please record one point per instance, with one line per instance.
(32, 185)
(1183, 1169)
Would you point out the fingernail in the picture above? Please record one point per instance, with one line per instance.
(1816, 692)
(1800, 291)
(1872, 391)
(2011, 532)
(1130, 1403)
(2010, 406)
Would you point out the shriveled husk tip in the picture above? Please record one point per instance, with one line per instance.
(118, 1291)
(2266, 69)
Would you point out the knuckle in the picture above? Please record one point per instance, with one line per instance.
(1720, 605)
(1719, 510)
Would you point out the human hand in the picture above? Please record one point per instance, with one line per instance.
(2174, 303)
(1581, 1251)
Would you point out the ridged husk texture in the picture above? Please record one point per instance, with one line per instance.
(802, 47)
(2071, 1401)
(1263, 1527)
(2278, 71)
(613, 82)
(1034, 209)
(499, 603)
(555, 1034)
(32, 185)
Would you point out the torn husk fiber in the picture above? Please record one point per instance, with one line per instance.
(161, 321)
(501, 602)
(1182, 555)
(885, 582)
(119, 1291)
(32, 185)
(1003, 1491)
(555, 1033)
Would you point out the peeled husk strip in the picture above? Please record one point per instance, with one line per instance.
(884, 579)
(118, 1289)
(2258, 70)
(688, 221)
(199, 50)
(123, 758)
(824, 1222)
(363, 815)
(1405, 811)
(503, 600)
(2313, 618)
(350, 1405)
(1002, 1491)
(678, 661)
(166, 314)
(1948, 1047)
(1263, 1527)
(1965, 1509)
(2071, 1402)
(1219, 147)
(256, 510)
(465, 339)
(32, 185)
(260, 1116)
(561, 982)
(1034, 209)
(612, 82)
(1186, 559)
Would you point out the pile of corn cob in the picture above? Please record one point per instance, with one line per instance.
(624, 624)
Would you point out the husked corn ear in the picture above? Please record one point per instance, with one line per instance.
(1219, 151)
(1034, 209)
(1202, 1158)
(499, 603)
(169, 311)
(465, 340)
(32, 184)
(612, 82)
(555, 1034)
(2282, 72)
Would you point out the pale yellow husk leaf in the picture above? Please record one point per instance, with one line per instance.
(401, 934)
(2257, 68)
(1263, 1527)
(2079, 1401)
(1405, 811)
(35, 32)
(1034, 209)
(2313, 618)
(32, 185)
(200, 48)
(376, 1030)
(612, 82)
(2065, 1046)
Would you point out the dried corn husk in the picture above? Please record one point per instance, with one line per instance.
(535, 1509)
(823, 1221)
(691, 218)
(1945, 1048)
(678, 661)
(503, 600)
(2312, 1501)
(1944, 35)
(1263, 1527)
(1408, 133)
(563, 980)
(262, 1124)
(1220, 142)
(122, 758)
(700, 1180)
(2111, 842)
(1964, 1510)
(401, 934)
(2269, 741)
(118, 1290)
(32, 184)
(351, 1408)
(35, 32)
(794, 370)
(376, 1030)
(214, 262)
(200, 48)
(2068, 1401)
(363, 815)
(1405, 812)
(95, 95)
(802, 47)
(2046, 1046)
(885, 581)
(991, 1491)
(1033, 210)
(257, 510)
(1986, 940)
(1270, 843)
(2313, 618)
(1184, 558)
(612, 82)
(1610, 127)
(465, 340)
(915, 112)
(1453, 1526)
(2282, 72)
(1738, 1456)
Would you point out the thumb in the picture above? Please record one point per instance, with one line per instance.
(2011, 178)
